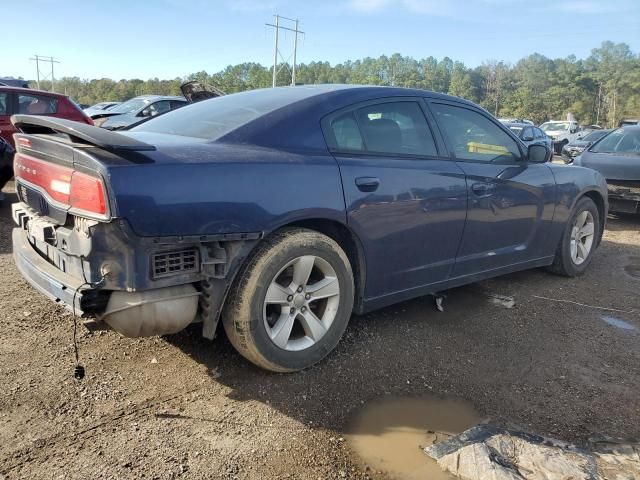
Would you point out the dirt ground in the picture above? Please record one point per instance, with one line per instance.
(185, 407)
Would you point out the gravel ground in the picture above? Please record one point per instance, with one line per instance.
(185, 407)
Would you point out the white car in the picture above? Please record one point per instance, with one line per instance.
(561, 132)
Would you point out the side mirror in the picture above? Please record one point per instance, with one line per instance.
(538, 154)
(145, 113)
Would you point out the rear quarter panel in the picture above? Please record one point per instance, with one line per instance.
(244, 190)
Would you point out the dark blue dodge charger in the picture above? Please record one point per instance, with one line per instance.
(283, 211)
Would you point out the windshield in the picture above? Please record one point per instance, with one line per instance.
(130, 106)
(619, 141)
(552, 126)
(212, 119)
(595, 135)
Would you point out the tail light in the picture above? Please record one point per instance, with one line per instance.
(81, 192)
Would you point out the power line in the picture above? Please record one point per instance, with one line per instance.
(277, 53)
(51, 60)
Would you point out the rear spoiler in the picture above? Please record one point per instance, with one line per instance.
(100, 137)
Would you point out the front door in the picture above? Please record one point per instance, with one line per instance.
(510, 200)
(405, 199)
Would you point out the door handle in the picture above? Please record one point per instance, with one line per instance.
(367, 184)
(482, 189)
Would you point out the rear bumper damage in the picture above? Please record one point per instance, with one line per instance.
(58, 286)
(624, 196)
(139, 286)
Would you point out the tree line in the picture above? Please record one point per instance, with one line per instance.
(602, 88)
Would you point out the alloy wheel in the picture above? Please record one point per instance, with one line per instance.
(582, 237)
(301, 303)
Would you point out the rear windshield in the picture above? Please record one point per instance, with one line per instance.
(595, 135)
(214, 118)
(131, 105)
(619, 141)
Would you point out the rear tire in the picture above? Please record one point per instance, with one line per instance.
(579, 240)
(291, 302)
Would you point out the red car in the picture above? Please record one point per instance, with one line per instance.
(35, 102)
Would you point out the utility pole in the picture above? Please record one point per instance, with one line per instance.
(277, 53)
(51, 60)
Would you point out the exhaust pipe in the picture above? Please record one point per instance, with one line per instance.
(153, 312)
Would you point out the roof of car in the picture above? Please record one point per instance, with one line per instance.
(630, 127)
(31, 90)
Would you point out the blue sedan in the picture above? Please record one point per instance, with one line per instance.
(282, 211)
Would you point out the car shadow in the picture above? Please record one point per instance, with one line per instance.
(623, 221)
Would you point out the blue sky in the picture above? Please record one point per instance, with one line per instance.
(170, 38)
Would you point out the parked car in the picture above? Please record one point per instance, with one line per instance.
(617, 157)
(15, 100)
(136, 110)
(629, 121)
(100, 107)
(6, 164)
(284, 210)
(572, 149)
(561, 132)
(516, 120)
(13, 82)
(530, 135)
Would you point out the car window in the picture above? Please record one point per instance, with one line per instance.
(346, 132)
(472, 136)
(528, 132)
(4, 101)
(395, 128)
(619, 141)
(31, 104)
(159, 107)
(539, 134)
(177, 104)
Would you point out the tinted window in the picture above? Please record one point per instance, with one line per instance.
(157, 108)
(396, 128)
(214, 118)
(37, 104)
(346, 133)
(528, 132)
(472, 136)
(4, 100)
(177, 104)
(539, 133)
(619, 141)
(595, 135)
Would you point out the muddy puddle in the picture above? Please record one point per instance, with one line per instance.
(388, 434)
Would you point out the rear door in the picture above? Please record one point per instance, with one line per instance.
(511, 201)
(6, 128)
(406, 200)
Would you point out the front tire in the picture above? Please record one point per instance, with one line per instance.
(291, 302)
(579, 240)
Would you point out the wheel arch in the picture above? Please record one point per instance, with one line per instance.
(599, 200)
